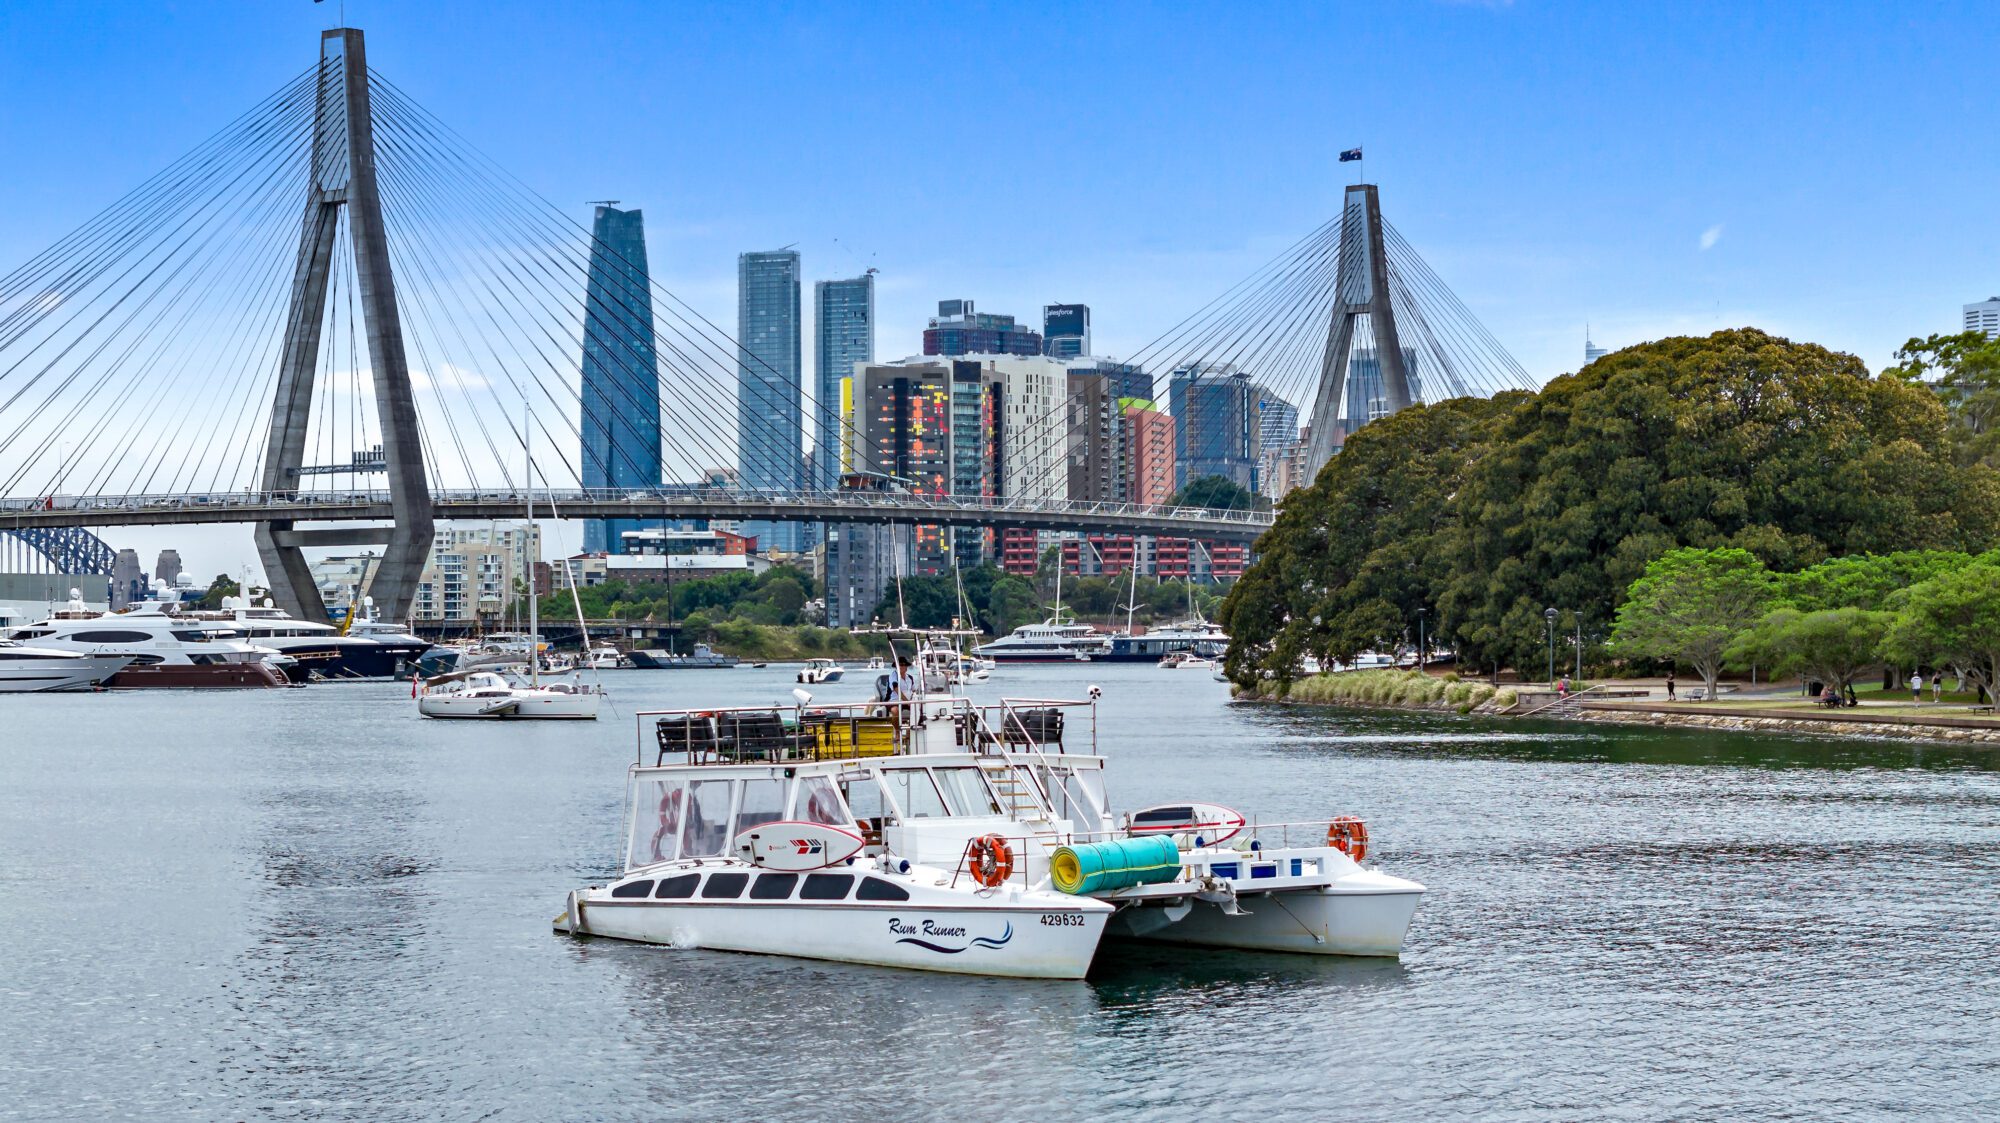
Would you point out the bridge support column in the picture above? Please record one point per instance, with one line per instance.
(1361, 288)
(343, 176)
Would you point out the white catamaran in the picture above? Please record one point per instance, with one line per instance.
(924, 831)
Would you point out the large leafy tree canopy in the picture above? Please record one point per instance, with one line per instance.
(1487, 513)
(1966, 367)
(1690, 604)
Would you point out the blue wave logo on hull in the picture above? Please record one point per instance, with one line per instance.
(912, 933)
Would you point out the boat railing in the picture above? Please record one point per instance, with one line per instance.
(1250, 840)
(815, 731)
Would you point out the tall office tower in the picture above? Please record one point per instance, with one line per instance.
(958, 330)
(770, 428)
(621, 384)
(1591, 351)
(1095, 440)
(1277, 436)
(978, 413)
(844, 319)
(927, 427)
(1366, 399)
(1149, 452)
(1066, 330)
(1128, 380)
(1984, 317)
(1216, 424)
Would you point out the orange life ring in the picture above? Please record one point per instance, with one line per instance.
(990, 860)
(1348, 835)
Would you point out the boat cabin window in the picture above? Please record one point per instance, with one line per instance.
(633, 889)
(725, 886)
(864, 798)
(875, 889)
(773, 886)
(657, 809)
(705, 818)
(826, 887)
(763, 802)
(818, 802)
(1076, 797)
(32, 633)
(913, 791)
(677, 888)
(111, 636)
(967, 791)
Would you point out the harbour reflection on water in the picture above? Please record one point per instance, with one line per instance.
(312, 904)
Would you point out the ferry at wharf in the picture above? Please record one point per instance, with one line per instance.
(935, 834)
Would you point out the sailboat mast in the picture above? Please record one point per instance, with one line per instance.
(534, 617)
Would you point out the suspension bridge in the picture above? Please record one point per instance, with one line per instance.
(336, 286)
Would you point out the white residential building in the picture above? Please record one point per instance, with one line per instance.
(1984, 316)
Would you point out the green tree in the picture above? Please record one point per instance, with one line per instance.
(1354, 556)
(1831, 645)
(1953, 620)
(1690, 605)
(1870, 581)
(222, 586)
(1218, 493)
(1966, 367)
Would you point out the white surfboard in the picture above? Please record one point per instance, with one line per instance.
(1212, 821)
(797, 847)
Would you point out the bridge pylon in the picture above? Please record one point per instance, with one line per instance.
(343, 176)
(1361, 288)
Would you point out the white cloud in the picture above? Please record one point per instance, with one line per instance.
(1711, 236)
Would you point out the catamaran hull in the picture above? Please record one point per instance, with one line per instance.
(576, 707)
(1312, 921)
(1006, 940)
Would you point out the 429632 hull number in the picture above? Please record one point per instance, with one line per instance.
(1063, 919)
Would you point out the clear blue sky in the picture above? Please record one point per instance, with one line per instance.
(1825, 171)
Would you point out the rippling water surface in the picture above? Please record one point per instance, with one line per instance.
(314, 904)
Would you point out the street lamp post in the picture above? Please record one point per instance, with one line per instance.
(1421, 613)
(1550, 629)
(1579, 647)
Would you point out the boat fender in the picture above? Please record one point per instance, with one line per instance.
(577, 927)
(1349, 835)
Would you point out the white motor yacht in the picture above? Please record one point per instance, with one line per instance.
(943, 836)
(488, 694)
(163, 648)
(25, 669)
(603, 657)
(1051, 641)
(1189, 661)
(817, 671)
(366, 651)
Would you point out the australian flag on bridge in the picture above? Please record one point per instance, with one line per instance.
(1350, 154)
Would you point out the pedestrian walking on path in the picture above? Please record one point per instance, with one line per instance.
(1670, 686)
(1937, 687)
(1916, 686)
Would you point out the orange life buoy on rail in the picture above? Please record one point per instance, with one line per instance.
(670, 821)
(1348, 835)
(990, 860)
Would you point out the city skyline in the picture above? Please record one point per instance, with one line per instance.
(1542, 211)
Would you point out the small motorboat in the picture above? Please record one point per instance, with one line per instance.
(1188, 661)
(817, 671)
(603, 658)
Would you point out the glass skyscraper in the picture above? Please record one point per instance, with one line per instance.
(621, 386)
(770, 427)
(844, 314)
(1216, 424)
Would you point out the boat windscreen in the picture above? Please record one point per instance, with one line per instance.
(817, 801)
